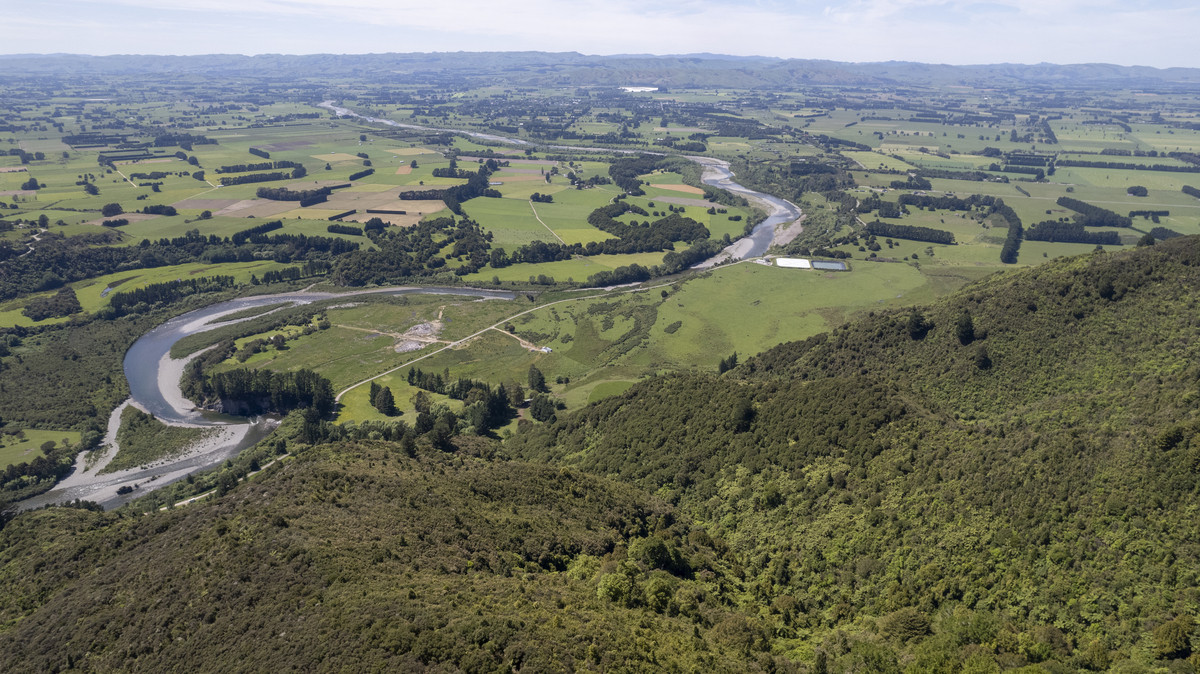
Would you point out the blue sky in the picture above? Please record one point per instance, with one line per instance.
(1130, 32)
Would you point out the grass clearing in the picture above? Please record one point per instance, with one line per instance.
(879, 161)
(21, 446)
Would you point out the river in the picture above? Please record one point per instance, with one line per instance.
(154, 387)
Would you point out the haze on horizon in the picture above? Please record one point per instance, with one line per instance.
(1131, 32)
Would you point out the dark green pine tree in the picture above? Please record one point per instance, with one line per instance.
(537, 381)
(384, 401)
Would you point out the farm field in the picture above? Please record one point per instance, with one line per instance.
(27, 446)
(367, 336)
(596, 346)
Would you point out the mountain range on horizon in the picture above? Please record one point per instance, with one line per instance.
(574, 69)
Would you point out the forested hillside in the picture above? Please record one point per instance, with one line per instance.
(1006, 479)
(1014, 470)
(355, 557)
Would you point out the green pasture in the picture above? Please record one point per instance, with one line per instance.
(878, 161)
(955, 162)
(513, 223)
(90, 291)
(1037, 252)
(343, 356)
(1161, 160)
(730, 145)
(622, 336)
(26, 445)
(365, 331)
(356, 404)
(1168, 140)
(603, 344)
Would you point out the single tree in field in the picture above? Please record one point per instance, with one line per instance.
(109, 210)
(384, 401)
(537, 381)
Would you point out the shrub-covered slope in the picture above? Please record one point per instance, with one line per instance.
(355, 558)
(1015, 470)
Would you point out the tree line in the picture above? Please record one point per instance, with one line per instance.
(262, 166)
(242, 236)
(1123, 166)
(59, 260)
(141, 300)
(226, 181)
(476, 186)
(350, 230)
(1012, 241)
(1094, 216)
(245, 391)
(305, 197)
(880, 228)
(1070, 232)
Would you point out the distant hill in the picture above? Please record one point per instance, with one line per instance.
(573, 69)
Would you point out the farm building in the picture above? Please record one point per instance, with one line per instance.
(793, 263)
(805, 263)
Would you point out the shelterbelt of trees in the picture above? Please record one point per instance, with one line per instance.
(1041, 426)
